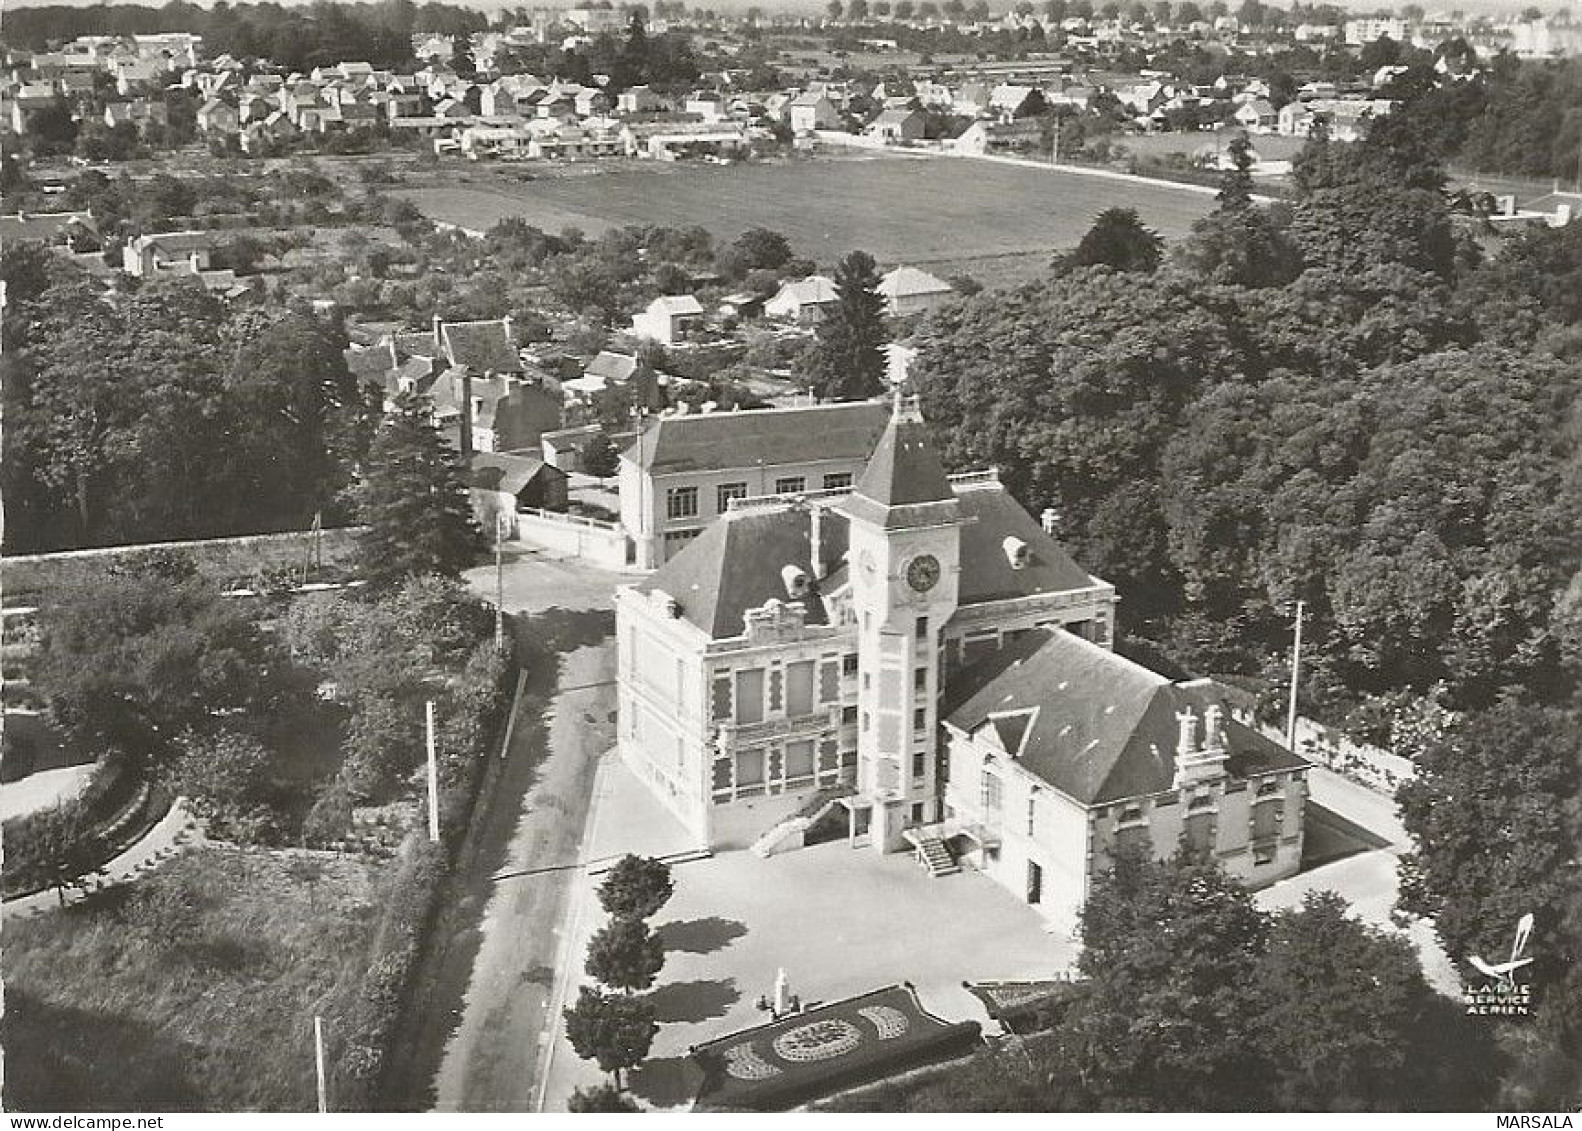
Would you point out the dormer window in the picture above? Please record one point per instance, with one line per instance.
(1016, 552)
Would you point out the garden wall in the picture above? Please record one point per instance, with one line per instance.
(28, 577)
(602, 543)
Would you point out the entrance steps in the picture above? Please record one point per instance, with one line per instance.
(935, 857)
(789, 834)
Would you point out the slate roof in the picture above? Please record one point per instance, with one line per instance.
(991, 516)
(904, 471)
(372, 363)
(417, 343)
(482, 347)
(735, 565)
(1091, 723)
(615, 368)
(510, 474)
(769, 436)
(676, 305)
(907, 281)
(815, 290)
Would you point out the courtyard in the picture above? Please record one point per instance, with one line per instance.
(839, 921)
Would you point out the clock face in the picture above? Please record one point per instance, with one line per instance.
(922, 574)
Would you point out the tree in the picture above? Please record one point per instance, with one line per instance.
(130, 658)
(600, 457)
(846, 361)
(1235, 184)
(414, 501)
(1338, 1001)
(1166, 947)
(614, 1030)
(228, 776)
(754, 249)
(1487, 812)
(1119, 240)
(625, 955)
(601, 1099)
(636, 887)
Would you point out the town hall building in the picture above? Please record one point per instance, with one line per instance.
(915, 663)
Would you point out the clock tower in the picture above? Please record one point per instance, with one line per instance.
(904, 567)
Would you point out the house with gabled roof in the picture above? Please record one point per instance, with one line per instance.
(803, 300)
(907, 291)
(668, 319)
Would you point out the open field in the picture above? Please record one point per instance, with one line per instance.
(198, 997)
(941, 211)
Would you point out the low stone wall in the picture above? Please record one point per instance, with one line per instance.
(227, 560)
(601, 543)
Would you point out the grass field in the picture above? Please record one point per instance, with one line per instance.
(201, 998)
(941, 211)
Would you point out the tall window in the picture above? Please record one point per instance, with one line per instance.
(990, 788)
(790, 485)
(681, 502)
(799, 689)
(725, 492)
(750, 696)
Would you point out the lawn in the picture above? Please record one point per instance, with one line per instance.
(200, 999)
(942, 211)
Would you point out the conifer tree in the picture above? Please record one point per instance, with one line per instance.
(847, 359)
(414, 501)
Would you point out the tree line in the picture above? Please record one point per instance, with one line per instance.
(163, 414)
(1359, 400)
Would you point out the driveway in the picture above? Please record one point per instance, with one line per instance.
(476, 1047)
(1368, 880)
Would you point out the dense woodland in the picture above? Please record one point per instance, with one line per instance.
(1352, 400)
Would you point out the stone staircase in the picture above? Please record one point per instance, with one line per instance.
(933, 855)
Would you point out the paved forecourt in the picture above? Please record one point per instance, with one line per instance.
(840, 922)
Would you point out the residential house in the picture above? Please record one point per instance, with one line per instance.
(1258, 116)
(170, 253)
(218, 117)
(503, 483)
(803, 300)
(812, 111)
(1019, 136)
(669, 319)
(907, 291)
(897, 126)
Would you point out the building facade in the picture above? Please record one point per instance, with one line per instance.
(916, 661)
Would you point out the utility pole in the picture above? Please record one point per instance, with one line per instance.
(318, 1061)
(1296, 668)
(499, 582)
(433, 775)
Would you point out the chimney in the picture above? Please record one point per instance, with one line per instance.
(1213, 727)
(1049, 520)
(466, 412)
(816, 539)
(438, 322)
(1186, 743)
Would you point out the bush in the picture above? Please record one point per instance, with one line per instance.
(625, 955)
(615, 1030)
(602, 1099)
(636, 887)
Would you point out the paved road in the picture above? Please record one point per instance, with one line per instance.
(478, 1046)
